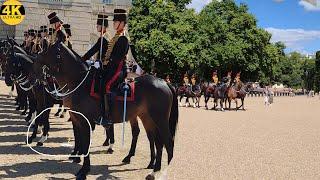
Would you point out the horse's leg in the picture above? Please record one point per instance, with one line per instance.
(221, 104)
(181, 97)
(187, 101)
(59, 110)
(106, 142)
(242, 103)
(229, 101)
(25, 104)
(35, 130)
(63, 112)
(152, 150)
(76, 143)
(135, 133)
(236, 104)
(206, 99)
(111, 138)
(46, 127)
(83, 127)
(157, 166)
(32, 105)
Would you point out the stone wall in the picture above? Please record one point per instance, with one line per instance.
(80, 14)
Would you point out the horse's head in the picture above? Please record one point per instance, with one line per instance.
(59, 63)
(18, 68)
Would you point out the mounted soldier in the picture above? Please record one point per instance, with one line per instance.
(25, 36)
(215, 78)
(30, 41)
(67, 28)
(114, 62)
(59, 34)
(229, 78)
(194, 86)
(36, 46)
(51, 31)
(44, 43)
(186, 80)
(102, 42)
(100, 49)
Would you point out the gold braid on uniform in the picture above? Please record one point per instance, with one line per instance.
(111, 44)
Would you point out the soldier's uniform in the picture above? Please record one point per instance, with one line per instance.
(194, 86)
(59, 34)
(44, 43)
(102, 21)
(237, 78)
(229, 78)
(30, 41)
(186, 80)
(36, 46)
(67, 29)
(51, 31)
(24, 43)
(215, 78)
(114, 62)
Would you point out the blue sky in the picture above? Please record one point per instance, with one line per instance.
(294, 22)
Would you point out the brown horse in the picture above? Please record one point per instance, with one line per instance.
(218, 93)
(155, 103)
(238, 91)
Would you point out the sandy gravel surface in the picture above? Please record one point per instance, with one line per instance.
(278, 142)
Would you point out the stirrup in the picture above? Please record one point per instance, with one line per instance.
(103, 121)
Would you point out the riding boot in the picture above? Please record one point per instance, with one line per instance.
(105, 118)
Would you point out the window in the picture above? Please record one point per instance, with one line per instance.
(107, 1)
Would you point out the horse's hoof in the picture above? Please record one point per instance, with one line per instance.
(23, 113)
(82, 173)
(39, 144)
(81, 177)
(30, 139)
(76, 160)
(150, 166)
(126, 160)
(150, 177)
(109, 151)
(62, 116)
(106, 143)
(56, 114)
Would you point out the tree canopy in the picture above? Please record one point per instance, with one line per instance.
(171, 40)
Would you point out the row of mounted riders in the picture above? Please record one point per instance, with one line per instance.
(222, 92)
(60, 76)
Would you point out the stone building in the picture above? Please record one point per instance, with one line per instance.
(80, 14)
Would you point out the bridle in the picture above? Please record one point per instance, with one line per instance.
(57, 92)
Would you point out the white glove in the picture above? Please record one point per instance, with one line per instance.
(89, 62)
(96, 64)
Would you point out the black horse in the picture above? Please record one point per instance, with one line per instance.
(156, 103)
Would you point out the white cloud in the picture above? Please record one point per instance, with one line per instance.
(310, 5)
(294, 39)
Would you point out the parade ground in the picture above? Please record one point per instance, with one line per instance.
(276, 142)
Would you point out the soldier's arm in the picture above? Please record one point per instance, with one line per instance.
(94, 49)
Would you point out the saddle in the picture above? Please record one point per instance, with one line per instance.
(118, 90)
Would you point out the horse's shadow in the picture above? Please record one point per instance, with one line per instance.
(53, 167)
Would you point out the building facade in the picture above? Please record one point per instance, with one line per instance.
(80, 14)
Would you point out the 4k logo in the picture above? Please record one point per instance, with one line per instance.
(12, 12)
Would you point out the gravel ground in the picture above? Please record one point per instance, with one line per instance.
(276, 142)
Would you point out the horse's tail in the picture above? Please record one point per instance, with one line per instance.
(174, 113)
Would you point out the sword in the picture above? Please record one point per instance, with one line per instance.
(126, 88)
